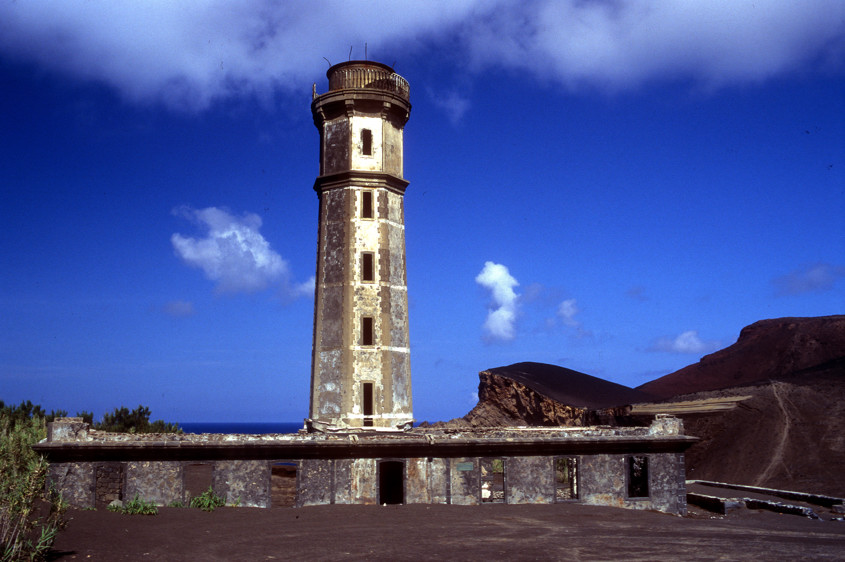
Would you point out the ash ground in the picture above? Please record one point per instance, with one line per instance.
(432, 532)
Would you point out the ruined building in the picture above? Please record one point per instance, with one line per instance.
(361, 368)
(358, 446)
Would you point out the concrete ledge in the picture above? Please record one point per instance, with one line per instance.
(76, 451)
(722, 506)
(815, 499)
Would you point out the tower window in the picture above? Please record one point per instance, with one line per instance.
(367, 267)
(367, 399)
(366, 142)
(367, 331)
(366, 204)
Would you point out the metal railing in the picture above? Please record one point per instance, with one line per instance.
(368, 77)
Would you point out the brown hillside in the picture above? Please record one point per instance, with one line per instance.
(788, 435)
(777, 349)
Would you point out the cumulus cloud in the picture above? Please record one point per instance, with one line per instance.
(502, 318)
(812, 278)
(232, 253)
(687, 342)
(191, 54)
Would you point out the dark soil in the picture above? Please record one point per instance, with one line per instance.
(433, 532)
(787, 436)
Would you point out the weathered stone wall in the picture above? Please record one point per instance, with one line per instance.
(427, 480)
(245, 483)
(75, 480)
(316, 482)
(667, 483)
(159, 482)
(530, 479)
(602, 480)
(355, 481)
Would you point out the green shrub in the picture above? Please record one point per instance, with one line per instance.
(135, 507)
(208, 501)
(140, 507)
(30, 518)
(177, 504)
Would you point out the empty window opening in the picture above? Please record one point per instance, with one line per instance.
(283, 484)
(366, 142)
(391, 482)
(566, 478)
(637, 477)
(493, 480)
(368, 406)
(367, 266)
(366, 204)
(197, 479)
(367, 331)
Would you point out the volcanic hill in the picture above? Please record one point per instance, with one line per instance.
(780, 391)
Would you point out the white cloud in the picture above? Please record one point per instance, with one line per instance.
(812, 278)
(687, 342)
(501, 319)
(618, 45)
(190, 54)
(567, 310)
(305, 289)
(232, 253)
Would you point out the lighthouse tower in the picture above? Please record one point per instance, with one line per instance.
(361, 368)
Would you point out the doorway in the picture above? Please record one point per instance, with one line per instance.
(391, 482)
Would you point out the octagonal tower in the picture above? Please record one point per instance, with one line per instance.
(361, 368)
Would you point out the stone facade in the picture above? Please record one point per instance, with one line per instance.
(459, 467)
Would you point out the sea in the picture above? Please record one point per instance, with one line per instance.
(253, 428)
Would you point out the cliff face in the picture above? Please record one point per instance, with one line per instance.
(503, 401)
(777, 349)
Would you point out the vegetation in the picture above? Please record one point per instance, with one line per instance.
(121, 420)
(26, 411)
(135, 507)
(208, 501)
(30, 517)
(136, 421)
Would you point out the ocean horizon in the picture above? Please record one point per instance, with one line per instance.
(252, 428)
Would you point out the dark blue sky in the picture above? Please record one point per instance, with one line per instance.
(614, 187)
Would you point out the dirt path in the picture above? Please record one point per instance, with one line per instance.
(777, 455)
